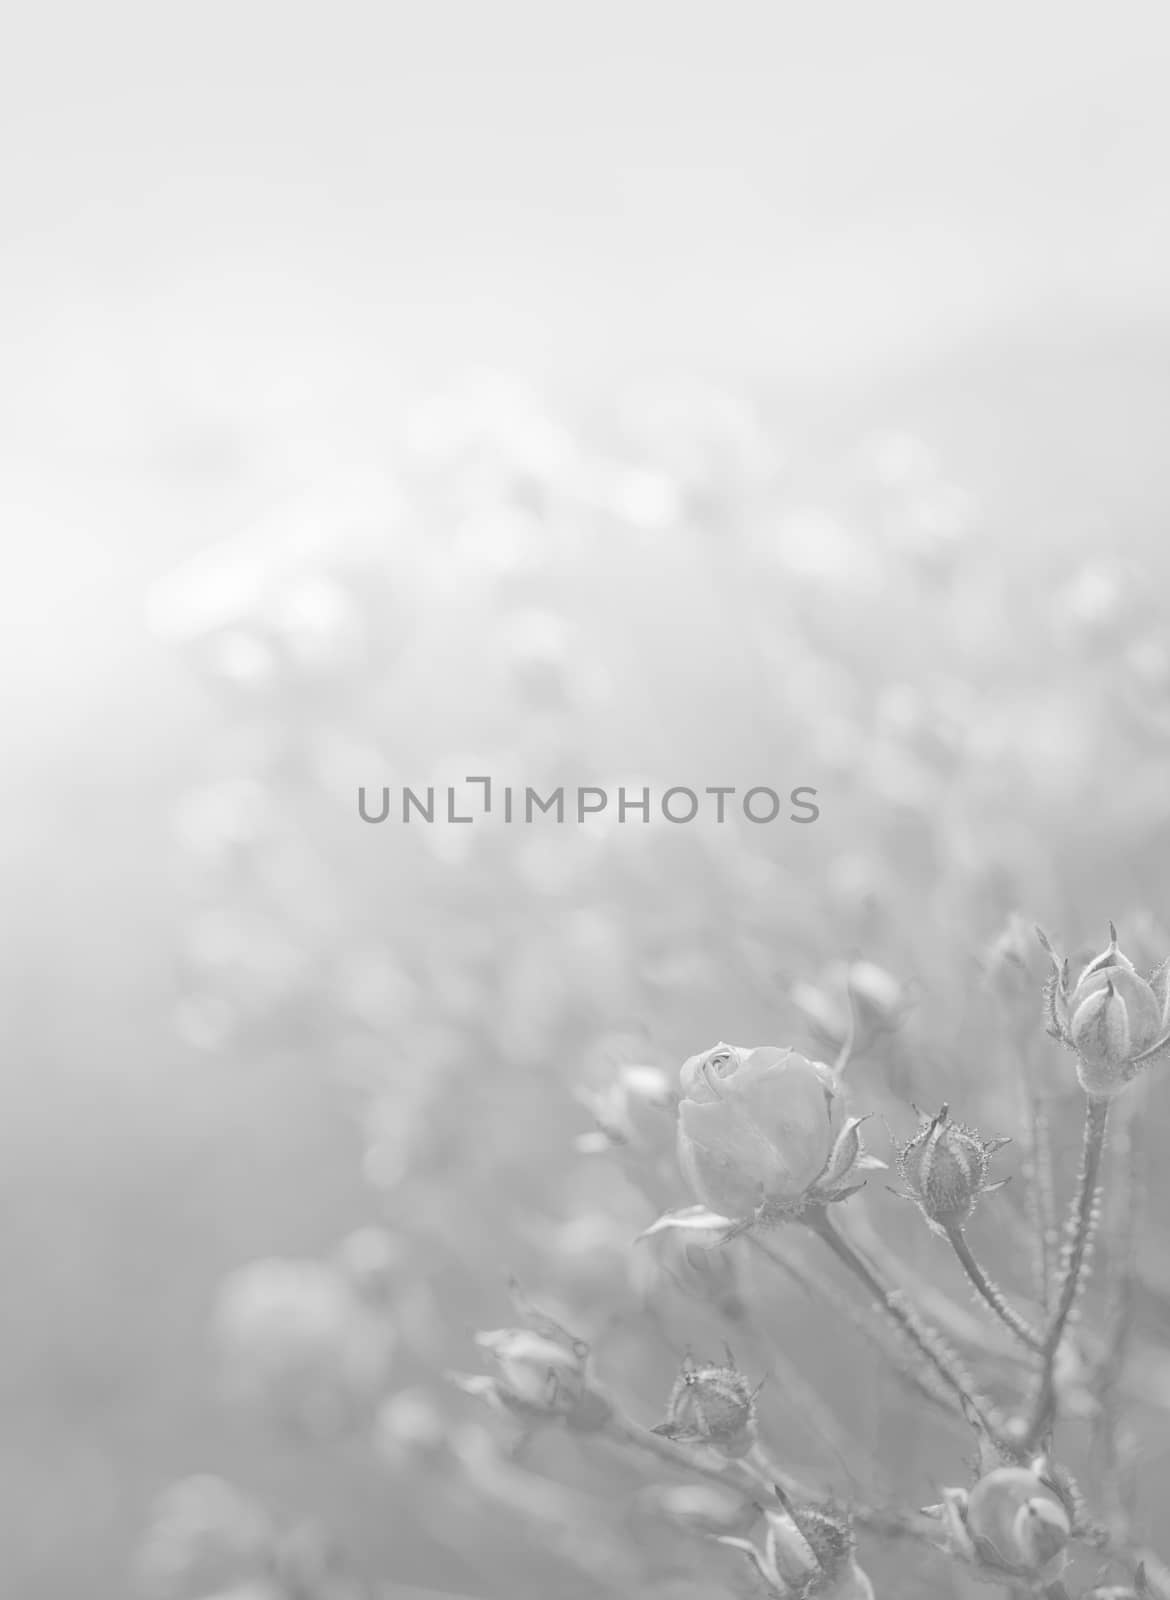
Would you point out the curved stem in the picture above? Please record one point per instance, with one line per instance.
(939, 1358)
(730, 1474)
(991, 1292)
(1081, 1226)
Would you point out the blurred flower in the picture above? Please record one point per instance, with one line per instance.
(1011, 1524)
(410, 1428)
(636, 1112)
(898, 460)
(204, 1536)
(644, 498)
(708, 441)
(692, 1266)
(373, 989)
(372, 1261)
(851, 995)
(699, 1507)
(1116, 1021)
(541, 1373)
(220, 823)
(291, 591)
(813, 545)
(1091, 608)
(1014, 973)
(298, 1340)
(944, 1167)
(756, 1133)
(1148, 660)
(712, 1405)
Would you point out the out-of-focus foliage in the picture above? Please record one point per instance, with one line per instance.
(654, 596)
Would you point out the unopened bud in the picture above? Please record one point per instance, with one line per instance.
(1012, 1524)
(1115, 1020)
(637, 1109)
(542, 1370)
(1013, 973)
(713, 1406)
(807, 1551)
(1015, 1517)
(944, 1168)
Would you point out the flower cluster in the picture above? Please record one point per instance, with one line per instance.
(464, 985)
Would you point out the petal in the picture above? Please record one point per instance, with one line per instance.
(701, 1075)
(731, 1175)
(731, 1133)
(693, 1219)
(1160, 989)
(787, 1105)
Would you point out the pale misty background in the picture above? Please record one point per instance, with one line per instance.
(238, 242)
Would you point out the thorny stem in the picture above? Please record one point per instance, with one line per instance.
(1043, 1198)
(625, 1430)
(1081, 1226)
(758, 1474)
(1109, 1427)
(990, 1290)
(956, 1323)
(928, 1344)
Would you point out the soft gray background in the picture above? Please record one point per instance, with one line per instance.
(236, 241)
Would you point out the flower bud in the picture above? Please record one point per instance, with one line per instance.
(855, 997)
(542, 1372)
(700, 1271)
(636, 1110)
(1013, 1523)
(757, 1133)
(1116, 1021)
(944, 1168)
(713, 1406)
(1015, 1517)
(1013, 974)
(808, 1553)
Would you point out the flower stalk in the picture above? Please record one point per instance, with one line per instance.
(990, 1291)
(941, 1360)
(1081, 1227)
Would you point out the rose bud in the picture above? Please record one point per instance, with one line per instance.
(758, 1138)
(697, 1271)
(713, 1406)
(1117, 1021)
(944, 1168)
(542, 1372)
(635, 1120)
(808, 1552)
(1012, 1523)
(1013, 973)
